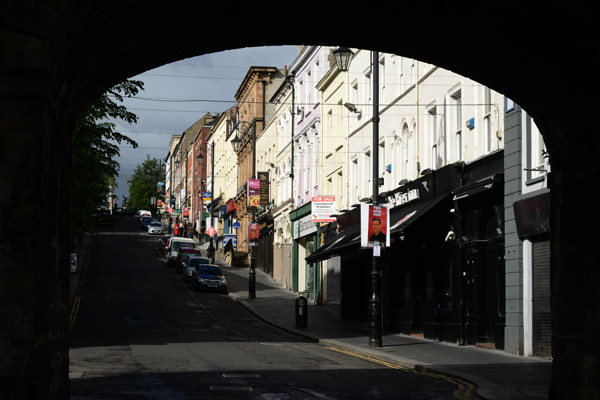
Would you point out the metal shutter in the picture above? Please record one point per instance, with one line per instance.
(542, 331)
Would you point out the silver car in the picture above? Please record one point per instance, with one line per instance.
(155, 227)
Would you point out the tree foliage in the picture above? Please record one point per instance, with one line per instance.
(143, 184)
(95, 147)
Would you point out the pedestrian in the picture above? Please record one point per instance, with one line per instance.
(210, 253)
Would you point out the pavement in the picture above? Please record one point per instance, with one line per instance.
(493, 374)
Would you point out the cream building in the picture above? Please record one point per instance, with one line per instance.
(225, 176)
(282, 125)
(429, 117)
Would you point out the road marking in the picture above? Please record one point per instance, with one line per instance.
(232, 388)
(465, 389)
(234, 376)
(74, 310)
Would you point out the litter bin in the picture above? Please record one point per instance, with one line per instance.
(301, 312)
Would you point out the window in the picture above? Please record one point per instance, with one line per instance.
(381, 166)
(433, 135)
(354, 180)
(366, 181)
(367, 94)
(457, 125)
(401, 80)
(405, 148)
(382, 80)
(487, 120)
(309, 90)
(354, 100)
(339, 196)
(329, 136)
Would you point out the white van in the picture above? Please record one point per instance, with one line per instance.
(175, 243)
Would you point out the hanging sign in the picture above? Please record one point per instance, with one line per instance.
(374, 226)
(253, 234)
(253, 193)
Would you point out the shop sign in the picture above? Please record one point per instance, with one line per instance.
(403, 197)
(304, 226)
(229, 206)
(263, 177)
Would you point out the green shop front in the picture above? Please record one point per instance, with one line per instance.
(306, 276)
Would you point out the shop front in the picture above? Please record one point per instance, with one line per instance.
(306, 276)
(443, 274)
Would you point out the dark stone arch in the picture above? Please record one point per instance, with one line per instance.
(58, 55)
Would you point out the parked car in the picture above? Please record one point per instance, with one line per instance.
(175, 244)
(164, 242)
(183, 257)
(192, 266)
(155, 227)
(209, 277)
(146, 221)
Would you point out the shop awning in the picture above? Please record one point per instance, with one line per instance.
(402, 218)
(343, 240)
(476, 187)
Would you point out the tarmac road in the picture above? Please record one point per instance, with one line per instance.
(141, 333)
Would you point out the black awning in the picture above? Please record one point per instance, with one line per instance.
(403, 217)
(477, 187)
(343, 240)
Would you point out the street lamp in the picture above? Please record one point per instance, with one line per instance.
(236, 143)
(343, 56)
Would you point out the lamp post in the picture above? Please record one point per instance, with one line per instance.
(200, 158)
(343, 57)
(236, 143)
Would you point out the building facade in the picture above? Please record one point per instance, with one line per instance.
(282, 195)
(527, 204)
(440, 170)
(254, 112)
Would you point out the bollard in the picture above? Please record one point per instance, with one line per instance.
(301, 312)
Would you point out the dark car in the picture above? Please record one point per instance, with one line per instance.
(192, 265)
(146, 221)
(183, 256)
(209, 277)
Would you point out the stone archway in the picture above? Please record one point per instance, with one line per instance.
(57, 56)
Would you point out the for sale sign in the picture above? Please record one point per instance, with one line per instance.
(323, 209)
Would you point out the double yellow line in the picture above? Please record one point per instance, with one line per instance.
(80, 282)
(74, 309)
(465, 390)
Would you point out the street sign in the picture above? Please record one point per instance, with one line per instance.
(211, 231)
(236, 225)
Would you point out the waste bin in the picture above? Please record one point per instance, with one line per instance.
(301, 312)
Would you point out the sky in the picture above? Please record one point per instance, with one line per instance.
(178, 94)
